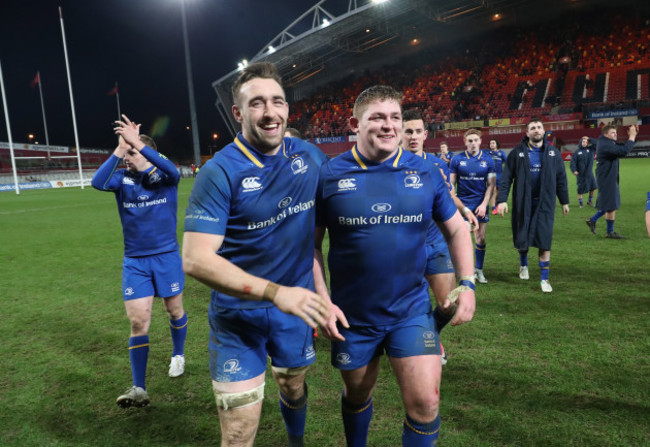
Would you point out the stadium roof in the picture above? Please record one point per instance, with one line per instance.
(320, 42)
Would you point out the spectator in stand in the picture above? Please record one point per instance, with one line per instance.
(582, 166)
(608, 152)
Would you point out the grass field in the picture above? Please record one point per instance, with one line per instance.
(571, 368)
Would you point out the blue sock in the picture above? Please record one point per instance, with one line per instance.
(580, 201)
(523, 258)
(479, 250)
(356, 420)
(178, 329)
(597, 216)
(610, 226)
(138, 353)
(441, 318)
(544, 267)
(415, 434)
(294, 413)
(591, 198)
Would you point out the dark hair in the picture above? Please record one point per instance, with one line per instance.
(146, 139)
(264, 70)
(534, 120)
(496, 141)
(607, 128)
(293, 132)
(412, 115)
(372, 94)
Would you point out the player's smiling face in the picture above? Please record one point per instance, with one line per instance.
(379, 129)
(413, 136)
(262, 112)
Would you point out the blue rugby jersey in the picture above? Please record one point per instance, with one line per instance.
(434, 236)
(378, 215)
(499, 158)
(146, 201)
(472, 174)
(264, 207)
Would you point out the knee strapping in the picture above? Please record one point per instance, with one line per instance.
(241, 399)
(290, 371)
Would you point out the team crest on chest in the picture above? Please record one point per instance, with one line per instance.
(412, 180)
(483, 164)
(251, 184)
(298, 165)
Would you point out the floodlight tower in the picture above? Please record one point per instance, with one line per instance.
(190, 90)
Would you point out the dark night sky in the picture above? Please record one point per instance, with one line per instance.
(139, 44)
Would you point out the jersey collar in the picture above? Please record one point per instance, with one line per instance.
(468, 155)
(362, 165)
(252, 155)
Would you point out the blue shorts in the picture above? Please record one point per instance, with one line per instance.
(241, 340)
(407, 338)
(647, 203)
(473, 205)
(438, 260)
(156, 275)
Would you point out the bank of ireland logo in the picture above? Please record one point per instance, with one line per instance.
(143, 197)
(285, 202)
(429, 339)
(231, 366)
(412, 181)
(381, 207)
(343, 358)
(347, 184)
(251, 184)
(175, 287)
(128, 291)
(298, 166)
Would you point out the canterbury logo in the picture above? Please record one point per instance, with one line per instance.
(347, 183)
(251, 184)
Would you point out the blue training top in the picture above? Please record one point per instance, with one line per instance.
(264, 207)
(499, 158)
(434, 236)
(377, 215)
(535, 157)
(146, 201)
(472, 174)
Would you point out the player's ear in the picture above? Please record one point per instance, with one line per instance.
(354, 123)
(236, 112)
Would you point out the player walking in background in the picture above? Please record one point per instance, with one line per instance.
(608, 151)
(249, 235)
(376, 201)
(536, 172)
(445, 155)
(499, 158)
(147, 195)
(439, 271)
(472, 173)
(582, 166)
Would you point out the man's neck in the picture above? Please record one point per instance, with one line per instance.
(378, 156)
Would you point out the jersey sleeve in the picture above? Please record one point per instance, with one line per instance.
(453, 166)
(208, 207)
(164, 164)
(443, 205)
(108, 177)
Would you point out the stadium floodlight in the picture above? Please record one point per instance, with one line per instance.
(379, 1)
(243, 64)
(190, 89)
(271, 49)
(326, 23)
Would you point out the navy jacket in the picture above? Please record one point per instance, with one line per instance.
(533, 228)
(607, 153)
(582, 161)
